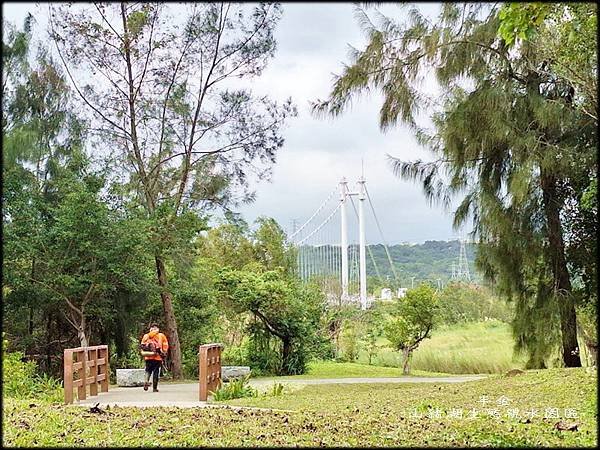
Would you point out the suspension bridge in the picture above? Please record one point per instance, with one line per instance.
(332, 248)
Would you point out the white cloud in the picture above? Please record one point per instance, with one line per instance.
(313, 43)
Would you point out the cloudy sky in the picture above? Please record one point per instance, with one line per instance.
(313, 41)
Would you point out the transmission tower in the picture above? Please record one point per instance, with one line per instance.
(463, 263)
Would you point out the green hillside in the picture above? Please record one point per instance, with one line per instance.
(427, 261)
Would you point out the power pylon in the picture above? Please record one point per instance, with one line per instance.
(463, 263)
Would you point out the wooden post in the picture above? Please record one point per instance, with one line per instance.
(105, 369)
(93, 363)
(209, 369)
(68, 375)
(82, 372)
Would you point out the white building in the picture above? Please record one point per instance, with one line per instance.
(386, 294)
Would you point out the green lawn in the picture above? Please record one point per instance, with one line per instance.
(331, 369)
(479, 347)
(332, 415)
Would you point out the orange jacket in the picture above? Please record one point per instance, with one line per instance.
(159, 341)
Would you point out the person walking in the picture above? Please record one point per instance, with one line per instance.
(154, 348)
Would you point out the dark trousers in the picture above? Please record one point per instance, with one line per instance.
(153, 368)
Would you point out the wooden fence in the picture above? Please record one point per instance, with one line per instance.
(209, 373)
(85, 366)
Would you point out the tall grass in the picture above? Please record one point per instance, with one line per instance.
(476, 347)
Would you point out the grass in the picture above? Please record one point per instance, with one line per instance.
(469, 348)
(332, 415)
(331, 369)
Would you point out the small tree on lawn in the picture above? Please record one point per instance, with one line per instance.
(373, 321)
(412, 321)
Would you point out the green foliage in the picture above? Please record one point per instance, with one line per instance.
(235, 355)
(234, 389)
(520, 20)
(413, 319)
(513, 136)
(474, 347)
(276, 389)
(20, 379)
(283, 308)
(17, 376)
(173, 90)
(460, 302)
(349, 343)
(370, 343)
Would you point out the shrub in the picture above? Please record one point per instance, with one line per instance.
(263, 352)
(234, 389)
(276, 389)
(19, 380)
(349, 343)
(18, 376)
(235, 355)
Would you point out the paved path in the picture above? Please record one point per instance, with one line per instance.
(185, 395)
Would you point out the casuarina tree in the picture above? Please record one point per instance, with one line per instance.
(513, 138)
(162, 84)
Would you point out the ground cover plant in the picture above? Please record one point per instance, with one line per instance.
(334, 415)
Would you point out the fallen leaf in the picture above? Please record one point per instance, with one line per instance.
(564, 426)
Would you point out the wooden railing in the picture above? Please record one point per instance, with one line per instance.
(90, 366)
(209, 373)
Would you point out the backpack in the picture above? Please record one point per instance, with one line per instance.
(148, 349)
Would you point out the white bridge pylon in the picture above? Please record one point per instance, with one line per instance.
(344, 265)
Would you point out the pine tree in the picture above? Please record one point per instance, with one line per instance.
(509, 138)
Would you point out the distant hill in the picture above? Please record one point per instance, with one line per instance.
(430, 260)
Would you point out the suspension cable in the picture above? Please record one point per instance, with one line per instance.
(320, 226)
(387, 252)
(314, 215)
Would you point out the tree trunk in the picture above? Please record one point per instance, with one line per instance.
(285, 356)
(405, 359)
(560, 272)
(83, 339)
(30, 321)
(48, 335)
(170, 322)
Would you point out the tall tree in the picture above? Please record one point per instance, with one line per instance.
(162, 93)
(507, 136)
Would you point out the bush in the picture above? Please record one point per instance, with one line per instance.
(17, 376)
(263, 353)
(235, 355)
(349, 343)
(20, 381)
(234, 389)
(461, 303)
(277, 389)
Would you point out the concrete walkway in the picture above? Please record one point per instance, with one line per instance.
(185, 395)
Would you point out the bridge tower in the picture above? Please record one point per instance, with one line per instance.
(362, 261)
(344, 237)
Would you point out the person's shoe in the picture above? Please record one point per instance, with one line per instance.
(146, 385)
(155, 390)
